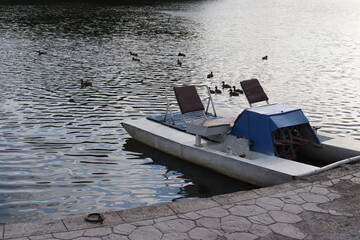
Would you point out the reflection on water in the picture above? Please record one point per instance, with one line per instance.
(62, 149)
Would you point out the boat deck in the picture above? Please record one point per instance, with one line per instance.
(175, 119)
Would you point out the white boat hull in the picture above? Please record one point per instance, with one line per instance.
(256, 168)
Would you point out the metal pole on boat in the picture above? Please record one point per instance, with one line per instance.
(197, 140)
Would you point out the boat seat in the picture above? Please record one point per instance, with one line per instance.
(253, 91)
(212, 128)
(189, 101)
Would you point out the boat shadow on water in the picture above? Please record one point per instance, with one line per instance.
(202, 182)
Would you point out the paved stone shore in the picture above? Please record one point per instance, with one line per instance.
(319, 207)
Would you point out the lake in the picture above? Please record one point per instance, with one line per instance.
(63, 151)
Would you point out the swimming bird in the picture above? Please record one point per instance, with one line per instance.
(217, 91)
(85, 84)
(238, 90)
(133, 54)
(210, 75)
(136, 59)
(41, 52)
(179, 62)
(181, 54)
(212, 91)
(225, 85)
(265, 57)
(233, 94)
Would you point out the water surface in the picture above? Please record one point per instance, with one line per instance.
(62, 148)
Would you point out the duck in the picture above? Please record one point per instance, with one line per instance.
(41, 52)
(85, 84)
(212, 91)
(238, 90)
(210, 75)
(136, 59)
(225, 85)
(232, 93)
(179, 62)
(133, 54)
(217, 91)
(181, 54)
(265, 57)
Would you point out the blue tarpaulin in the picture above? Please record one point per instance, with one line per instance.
(257, 124)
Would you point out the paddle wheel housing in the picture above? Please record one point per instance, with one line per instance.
(275, 129)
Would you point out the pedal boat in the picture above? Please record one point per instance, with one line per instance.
(264, 145)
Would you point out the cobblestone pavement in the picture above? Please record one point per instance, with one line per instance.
(286, 211)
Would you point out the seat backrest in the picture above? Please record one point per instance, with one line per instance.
(188, 99)
(253, 91)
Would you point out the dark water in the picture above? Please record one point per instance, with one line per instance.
(62, 149)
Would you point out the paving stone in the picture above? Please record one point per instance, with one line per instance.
(69, 235)
(284, 194)
(327, 183)
(143, 223)
(33, 228)
(147, 212)
(263, 219)
(192, 205)
(22, 238)
(190, 215)
(303, 190)
(77, 223)
(240, 235)
(335, 181)
(356, 180)
(175, 236)
(294, 199)
(87, 238)
(287, 230)
(124, 228)
(145, 232)
(40, 237)
(313, 207)
(246, 210)
(218, 232)
(313, 198)
(177, 225)
(333, 196)
(335, 213)
(247, 202)
(235, 224)
(357, 174)
(98, 232)
(292, 208)
(202, 233)
(346, 177)
(270, 203)
(114, 236)
(266, 191)
(214, 212)
(284, 217)
(319, 190)
(259, 230)
(227, 206)
(162, 219)
(300, 184)
(213, 223)
(235, 197)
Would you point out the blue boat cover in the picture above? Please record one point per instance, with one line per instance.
(257, 124)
